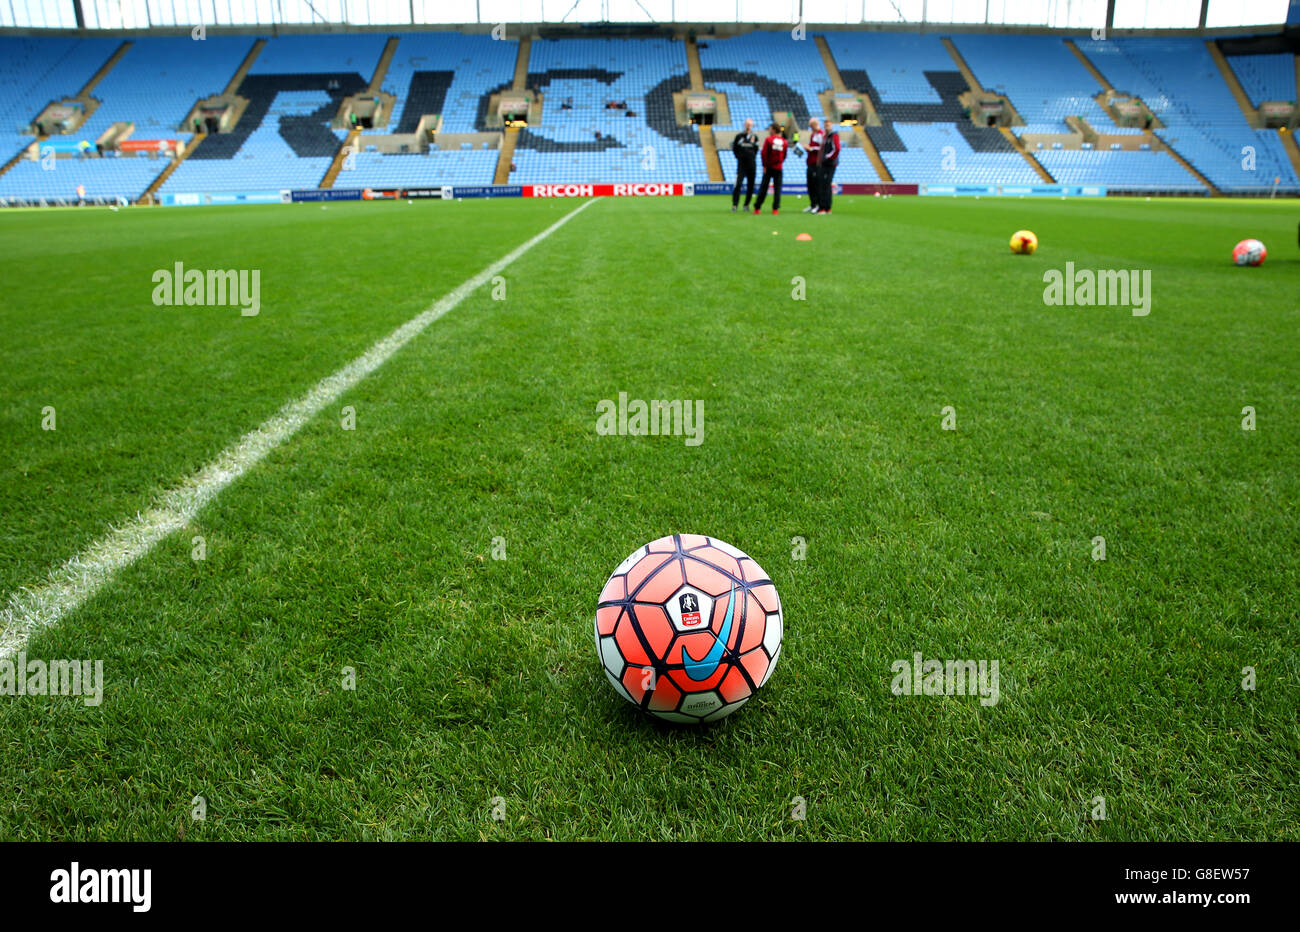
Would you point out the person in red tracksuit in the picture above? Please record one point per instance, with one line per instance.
(827, 163)
(815, 137)
(773, 156)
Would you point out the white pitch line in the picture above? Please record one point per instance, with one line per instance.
(68, 586)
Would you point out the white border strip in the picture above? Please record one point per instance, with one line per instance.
(68, 586)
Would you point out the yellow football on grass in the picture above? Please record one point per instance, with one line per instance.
(1023, 243)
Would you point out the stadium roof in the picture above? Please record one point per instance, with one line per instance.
(1060, 14)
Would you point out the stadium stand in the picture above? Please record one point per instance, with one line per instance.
(159, 79)
(744, 102)
(287, 147)
(1041, 78)
(855, 165)
(1266, 77)
(642, 143)
(924, 136)
(109, 177)
(1046, 83)
(897, 64)
(791, 74)
(153, 86)
(939, 153)
(765, 73)
(455, 166)
(296, 85)
(321, 54)
(35, 72)
(446, 73)
(1126, 169)
(1180, 83)
(284, 140)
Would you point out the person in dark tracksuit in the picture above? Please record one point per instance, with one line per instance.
(815, 137)
(745, 148)
(827, 162)
(773, 155)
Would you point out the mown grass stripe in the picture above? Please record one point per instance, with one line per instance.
(81, 576)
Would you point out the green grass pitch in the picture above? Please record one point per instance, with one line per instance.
(476, 678)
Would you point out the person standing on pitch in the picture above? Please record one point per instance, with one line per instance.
(815, 137)
(745, 148)
(826, 165)
(773, 155)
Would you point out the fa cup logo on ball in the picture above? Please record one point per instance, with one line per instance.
(690, 606)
